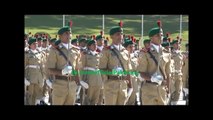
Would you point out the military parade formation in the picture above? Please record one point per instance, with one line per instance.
(87, 70)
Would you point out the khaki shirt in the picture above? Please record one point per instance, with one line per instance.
(91, 61)
(147, 64)
(177, 57)
(34, 75)
(57, 61)
(109, 60)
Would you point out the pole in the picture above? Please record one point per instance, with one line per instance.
(180, 26)
(103, 25)
(63, 20)
(141, 43)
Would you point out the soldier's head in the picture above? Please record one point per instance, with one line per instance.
(74, 42)
(155, 36)
(32, 43)
(187, 46)
(39, 41)
(175, 44)
(82, 42)
(100, 40)
(165, 45)
(52, 41)
(65, 34)
(92, 45)
(146, 43)
(129, 45)
(44, 42)
(116, 34)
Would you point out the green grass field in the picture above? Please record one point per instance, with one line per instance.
(92, 24)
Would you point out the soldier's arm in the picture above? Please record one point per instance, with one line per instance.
(168, 72)
(104, 60)
(51, 63)
(142, 66)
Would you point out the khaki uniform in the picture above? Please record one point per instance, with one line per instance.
(64, 90)
(34, 72)
(115, 89)
(177, 59)
(185, 70)
(90, 65)
(134, 79)
(152, 93)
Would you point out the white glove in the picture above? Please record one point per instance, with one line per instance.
(49, 83)
(157, 78)
(67, 70)
(84, 84)
(26, 82)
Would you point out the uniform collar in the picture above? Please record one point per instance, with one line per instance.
(65, 45)
(34, 51)
(100, 47)
(92, 52)
(156, 47)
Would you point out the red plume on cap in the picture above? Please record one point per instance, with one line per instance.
(121, 23)
(107, 38)
(134, 40)
(29, 33)
(129, 36)
(101, 33)
(93, 37)
(159, 23)
(169, 39)
(167, 34)
(77, 36)
(132, 37)
(55, 36)
(70, 23)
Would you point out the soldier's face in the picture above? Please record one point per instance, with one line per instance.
(39, 43)
(65, 37)
(147, 45)
(93, 47)
(117, 37)
(175, 46)
(44, 44)
(156, 39)
(100, 42)
(33, 46)
(130, 48)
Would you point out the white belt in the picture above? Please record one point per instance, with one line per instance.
(32, 66)
(90, 68)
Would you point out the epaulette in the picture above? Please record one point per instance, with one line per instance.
(75, 47)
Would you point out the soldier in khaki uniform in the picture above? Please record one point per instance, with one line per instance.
(129, 45)
(64, 84)
(90, 64)
(115, 87)
(34, 73)
(186, 67)
(154, 89)
(177, 59)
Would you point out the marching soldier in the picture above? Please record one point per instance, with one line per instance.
(177, 59)
(90, 64)
(62, 62)
(154, 67)
(82, 44)
(34, 73)
(116, 58)
(129, 45)
(186, 67)
(39, 39)
(100, 47)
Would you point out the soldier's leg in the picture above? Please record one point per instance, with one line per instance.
(149, 94)
(31, 96)
(132, 98)
(71, 97)
(93, 95)
(101, 97)
(111, 88)
(60, 92)
(162, 95)
(38, 90)
(122, 94)
(178, 87)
